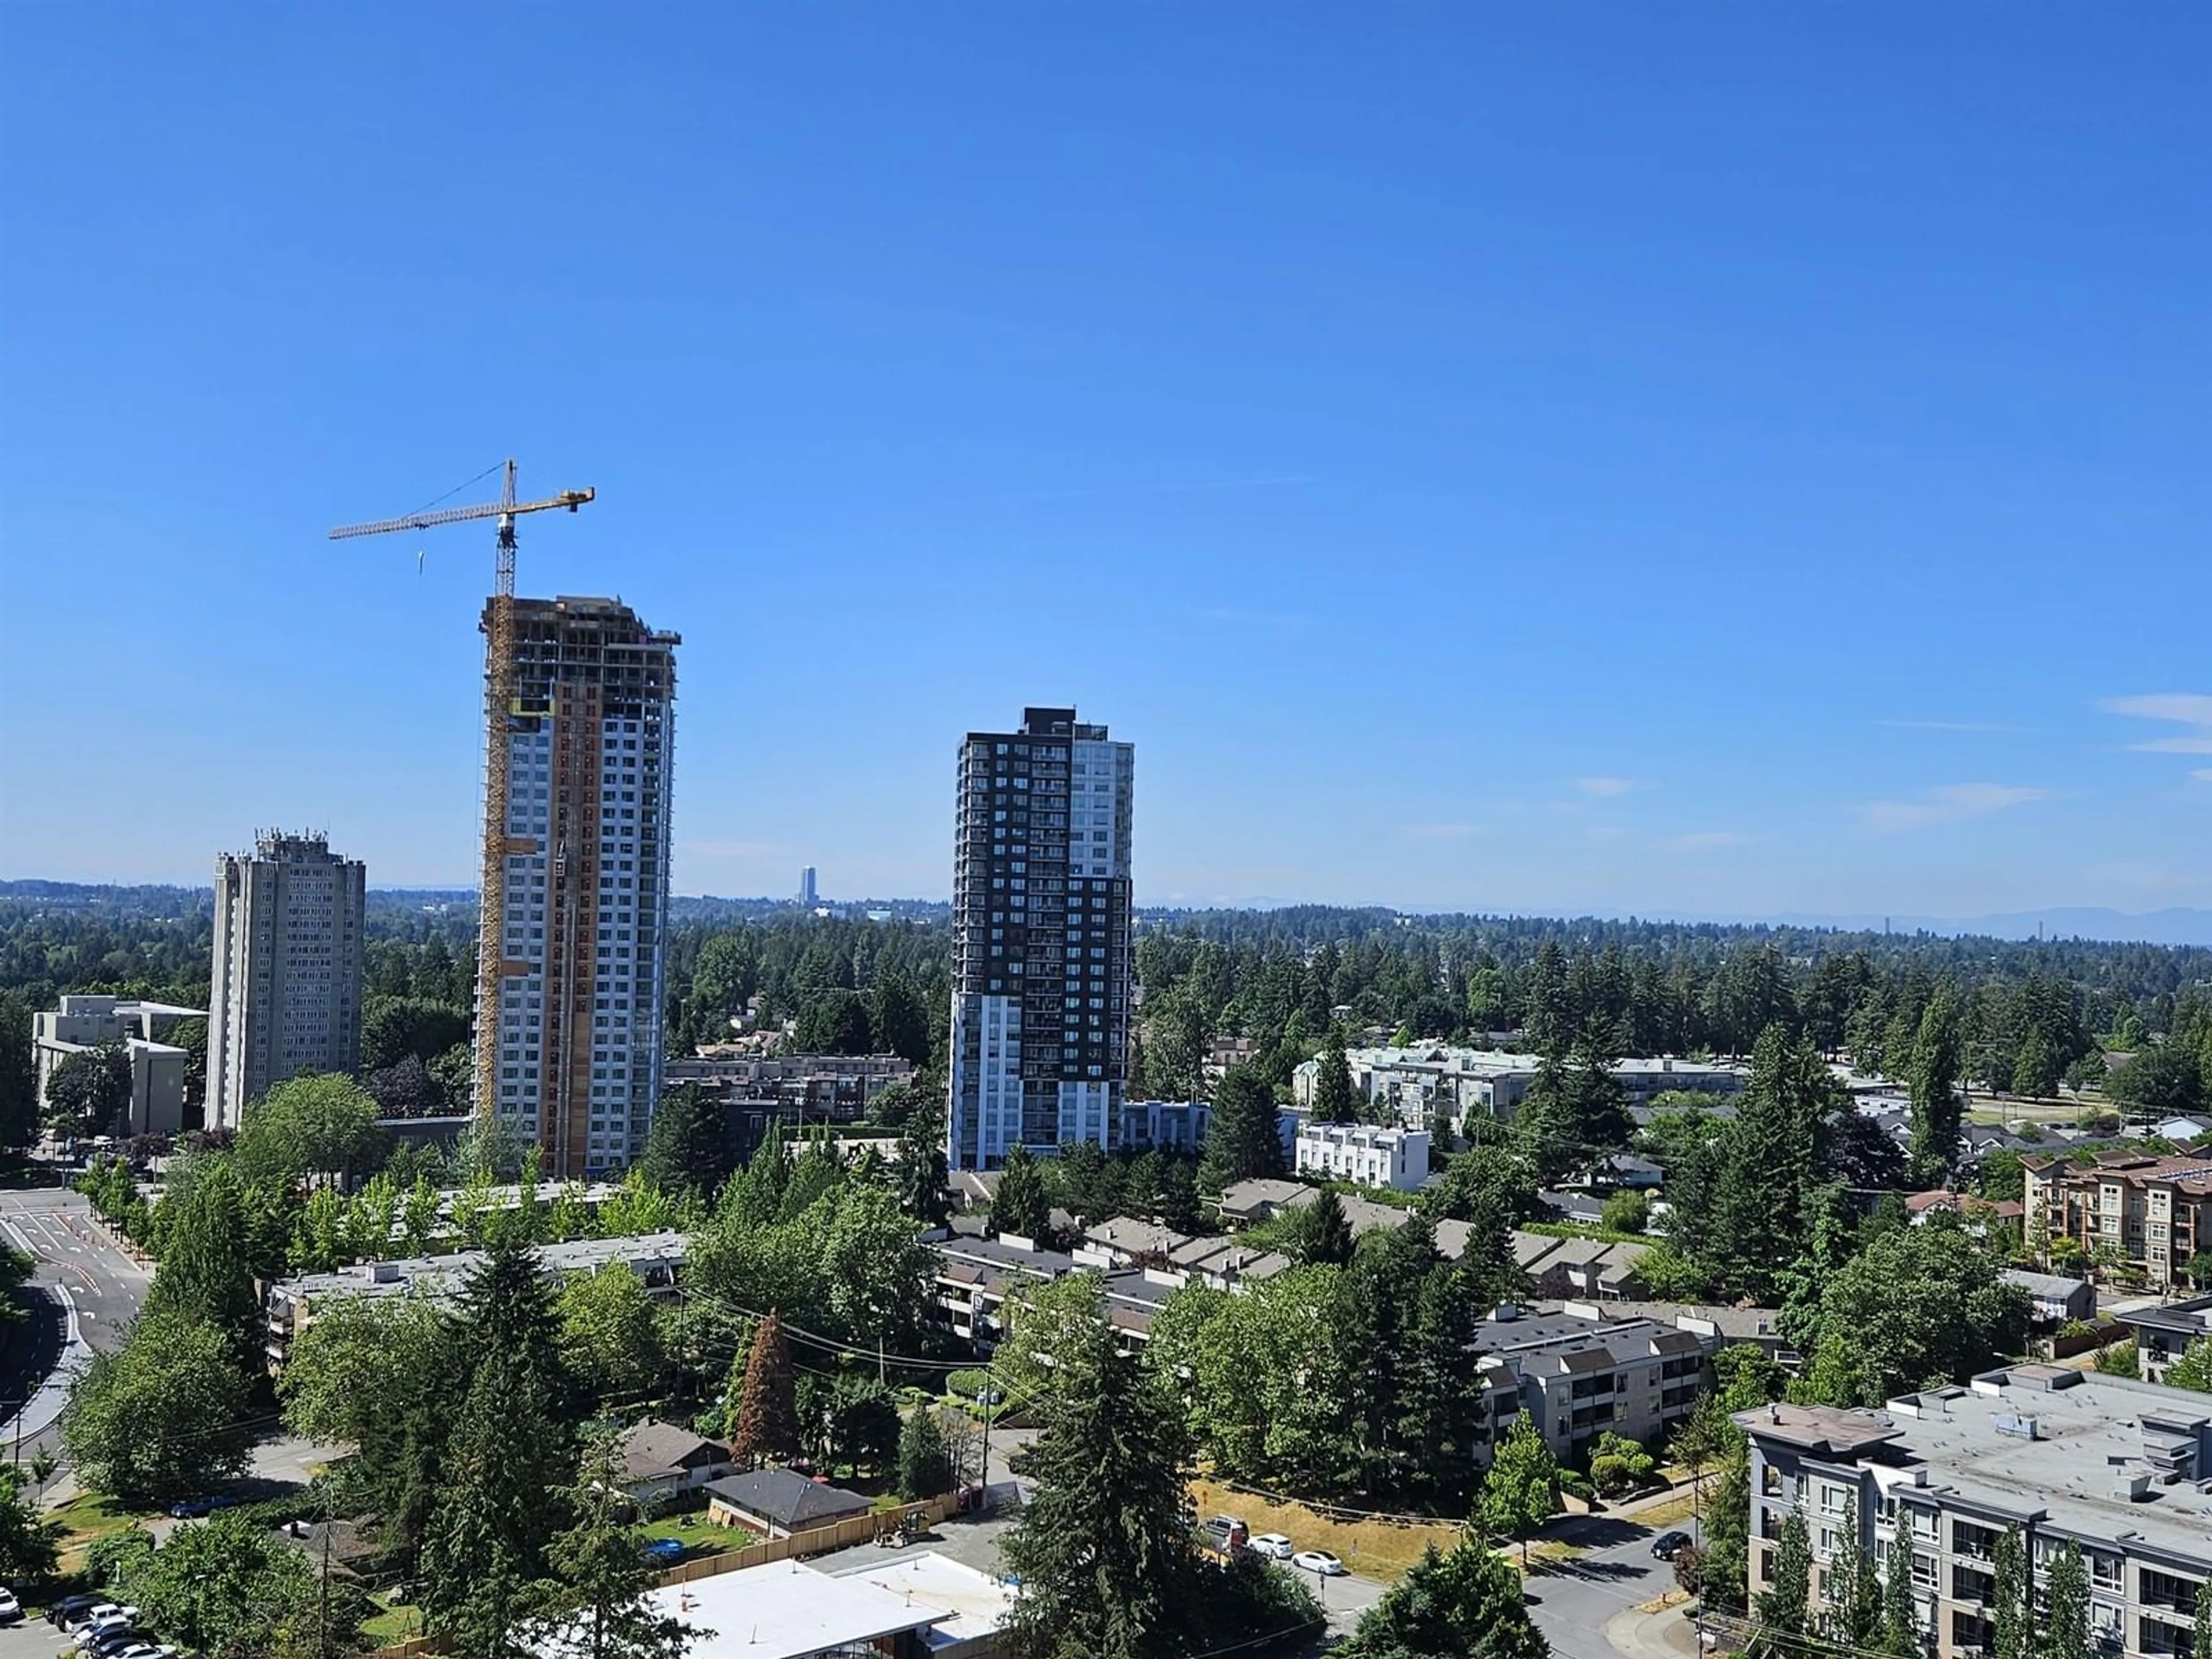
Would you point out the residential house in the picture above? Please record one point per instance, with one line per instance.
(2112, 1466)
(2054, 1298)
(780, 1503)
(663, 1464)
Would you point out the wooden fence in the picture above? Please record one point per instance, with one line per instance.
(818, 1540)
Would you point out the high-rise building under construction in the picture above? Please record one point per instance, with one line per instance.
(580, 840)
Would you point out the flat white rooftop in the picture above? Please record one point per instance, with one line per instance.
(785, 1610)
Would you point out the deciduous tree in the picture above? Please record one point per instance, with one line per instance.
(1522, 1492)
(159, 1418)
(1466, 1604)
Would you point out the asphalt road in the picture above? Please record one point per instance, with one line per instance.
(84, 1288)
(1571, 1601)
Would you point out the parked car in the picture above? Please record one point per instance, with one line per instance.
(68, 1606)
(1273, 1545)
(11, 1608)
(664, 1552)
(86, 1618)
(109, 1640)
(1667, 1545)
(1320, 1561)
(192, 1509)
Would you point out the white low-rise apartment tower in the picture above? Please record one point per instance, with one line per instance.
(1397, 1158)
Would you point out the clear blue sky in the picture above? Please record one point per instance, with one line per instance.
(1731, 460)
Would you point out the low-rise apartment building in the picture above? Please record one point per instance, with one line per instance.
(2153, 1213)
(1580, 1372)
(2119, 1468)
(290, 1305)
(2163, 1334)
(1396, 1158)
(1413, 1084)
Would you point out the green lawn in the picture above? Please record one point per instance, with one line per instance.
(393, 1625)
(698, 1535)
(88, 1516)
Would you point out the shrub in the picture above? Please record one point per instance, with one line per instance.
(968, 1384)
(1625, 1213)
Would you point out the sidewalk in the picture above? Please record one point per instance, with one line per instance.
(1666, 1634)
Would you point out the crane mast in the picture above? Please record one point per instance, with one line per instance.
(492, 966)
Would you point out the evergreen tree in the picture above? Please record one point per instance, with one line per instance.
(925, 1461)
(920, 1174)
(2200, 1643)
(1465, 1605)
(509, 1307)
(1020, 1204)
(484, 1558)
(1332, 1095)
(768, 1410)
(600, 1564)
(1937, 1114)
(1244, 1138)
(2012, 1599)
(1900, 1611)
(2064, 1633)
(1101, 1547)
(1783, 1608)
(1853, 1589)
(1326, 1231)
(686, 1154)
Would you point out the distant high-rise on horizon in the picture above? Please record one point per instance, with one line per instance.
(285, 991)
(1042, 948)
(807, 893)
(573, 1046)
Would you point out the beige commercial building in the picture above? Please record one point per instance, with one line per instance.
(157, 1068)
(288, 968)
(2120, 1469)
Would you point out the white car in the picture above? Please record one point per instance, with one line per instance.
(1320, 1561)
(11, 1608)
(1273, 1545)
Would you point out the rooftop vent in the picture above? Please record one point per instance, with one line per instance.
(2023, 1427)
(2131, 1486)
(1505, 1311)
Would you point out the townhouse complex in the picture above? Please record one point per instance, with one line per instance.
(2119, 1468)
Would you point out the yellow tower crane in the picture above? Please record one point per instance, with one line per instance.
(499, 703)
